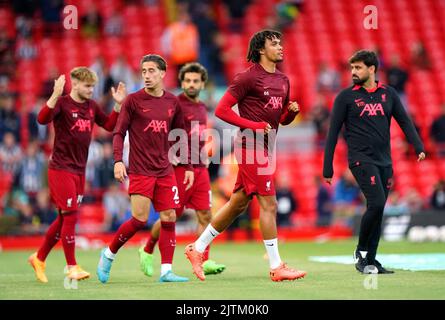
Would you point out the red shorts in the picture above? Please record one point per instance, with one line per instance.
(253, 182)
(163, 191)
(199, 196)
(66, 189)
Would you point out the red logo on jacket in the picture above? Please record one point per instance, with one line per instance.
(373, 109)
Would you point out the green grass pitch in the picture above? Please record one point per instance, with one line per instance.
(246, 276)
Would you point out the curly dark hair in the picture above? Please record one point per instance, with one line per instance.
(194, 67)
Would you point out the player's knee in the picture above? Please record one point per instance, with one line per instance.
(140, 215)
(239, 207)
(168, 215)
(377, 207)
(270, 207)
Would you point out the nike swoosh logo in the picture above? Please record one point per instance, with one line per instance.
(76, 110)
(146, 110)
(212, 233)
(190, 117)
(358, 100)
(269, 245)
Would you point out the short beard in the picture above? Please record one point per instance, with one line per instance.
(359, 81)
(192, 96)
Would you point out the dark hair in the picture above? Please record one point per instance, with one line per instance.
(369, 58)
(194, 67)
(162, 65)
(258, 41)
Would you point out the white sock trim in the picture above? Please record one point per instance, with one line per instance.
(206, 238)
(165, 267)
(272, 252)
(109, 254)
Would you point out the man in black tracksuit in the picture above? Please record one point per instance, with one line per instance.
(366, 109)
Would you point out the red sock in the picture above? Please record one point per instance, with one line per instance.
(68, 236)
(150, 245)
(206, 253)
(51, 238)
(125, 232)
(167, 241)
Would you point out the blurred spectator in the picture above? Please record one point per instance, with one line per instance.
(43, 209)
(89, 197)
(114, 24)
(9, 118)
(319, 115)
(7, 66)
(26, 49)
(437, 133)
(4, 89)
(438, 197)
(380, 58)
(237, 10)
(414, 201)
(99, 67)
(287, 12)
(91, 22)
(19, 206)
(105, 168)
(32, 170)
(106, 99)
(419, 56)
(408, 149)
(24, 26)
(10, 154)
(347, 198)
(180, 40)
(6, 54)
(209, 43)
(116, 204)
(37, 131)
(397, 77)
(328, 80)
(121, 71)
(286, 201)
(94, 159)
(25, 8)
(395, 205)
(51, 14)
(324, 204)
(138, 83)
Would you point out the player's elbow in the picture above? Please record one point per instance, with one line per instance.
(41, 120)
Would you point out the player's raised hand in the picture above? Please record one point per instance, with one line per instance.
(190, 178)
(120, 173)
(120, 93)
(421, 157)
(59, 84)
(294, 106)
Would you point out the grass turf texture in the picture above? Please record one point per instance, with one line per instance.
(246, 276)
